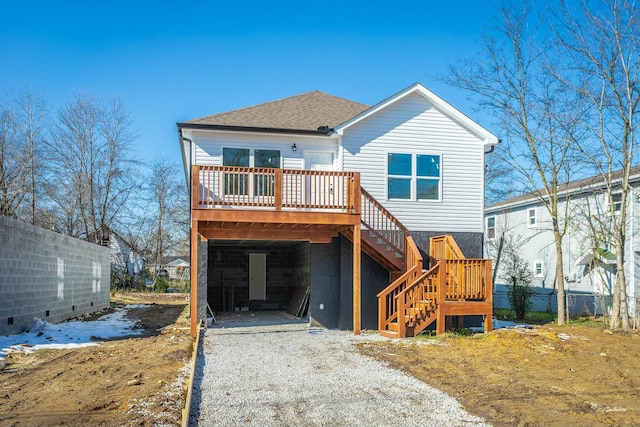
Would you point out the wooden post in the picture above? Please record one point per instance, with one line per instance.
(278, 190)
(442, 285)
(356, 279)
(194, 277)
(195, 186)
(488, 290)
(357, 194)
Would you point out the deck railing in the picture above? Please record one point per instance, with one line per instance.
(230, 186)
(380, 222)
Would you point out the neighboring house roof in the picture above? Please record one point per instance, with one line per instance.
(597, 254)
(311, 112)
(178, 263)
(440, 105)
(175, 261)
(574, 187)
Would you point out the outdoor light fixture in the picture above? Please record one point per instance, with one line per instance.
(294, 147)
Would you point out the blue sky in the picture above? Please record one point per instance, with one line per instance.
(175, 61)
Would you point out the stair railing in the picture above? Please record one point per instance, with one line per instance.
(380, 222)
(388, 298)
(418, 300)
(444, 247)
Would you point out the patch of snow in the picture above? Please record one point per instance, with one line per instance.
(72, 334)
(502, 324)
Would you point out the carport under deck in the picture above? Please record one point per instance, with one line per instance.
(249, 204)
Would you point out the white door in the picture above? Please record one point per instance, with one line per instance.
(257, 277)
(320, 189)
(318, 161)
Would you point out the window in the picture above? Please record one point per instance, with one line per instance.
(616, 199)
(531, 218)
(236, 183)
(399, 171)
(427, 177)
(413, 176)
(491, 227)
(264, 184)
(538, 269)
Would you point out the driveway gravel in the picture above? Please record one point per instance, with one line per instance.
(260, 369)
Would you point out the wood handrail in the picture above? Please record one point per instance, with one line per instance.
(381, 223)
(444, 247)
(387, 298)
(414, 299)
(273, 188)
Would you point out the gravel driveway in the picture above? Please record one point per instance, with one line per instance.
(263, 370)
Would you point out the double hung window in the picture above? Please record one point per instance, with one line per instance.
(491, 227)
(413, 176)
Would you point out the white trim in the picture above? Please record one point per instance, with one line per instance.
(535, 264)
(413, 197)
(440, 104)
(535, 217)
(486, 230)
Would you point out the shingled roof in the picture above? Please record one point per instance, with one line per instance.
(571, 187)
(306, 112)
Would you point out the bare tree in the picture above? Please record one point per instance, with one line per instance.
(498, 180)
(31, 121)
(512, 79)
(602, 45)
(12, 165)
(91, 150)
(167, 206)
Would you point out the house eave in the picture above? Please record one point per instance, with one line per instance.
(533, 199)
(251, 129)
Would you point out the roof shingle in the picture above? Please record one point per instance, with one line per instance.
(308, 111)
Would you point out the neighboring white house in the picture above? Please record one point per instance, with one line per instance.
(125, 258)
(177, 267)
(418, 156)
(588, 252)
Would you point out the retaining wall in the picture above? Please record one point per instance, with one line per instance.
(48, 275)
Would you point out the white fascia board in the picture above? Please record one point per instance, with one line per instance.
(440, 104)
(332, 136)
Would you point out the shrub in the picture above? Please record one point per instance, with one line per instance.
(162, 284)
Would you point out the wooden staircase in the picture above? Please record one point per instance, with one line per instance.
(453, 286)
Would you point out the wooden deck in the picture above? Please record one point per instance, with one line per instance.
(236, 203)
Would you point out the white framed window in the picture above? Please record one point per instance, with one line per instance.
(538, 268)
(532, 220)
(413, 176)
(491, 228)
(237, 183)
(616, 200)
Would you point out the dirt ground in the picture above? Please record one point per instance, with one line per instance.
(137, 381)
(546, 376)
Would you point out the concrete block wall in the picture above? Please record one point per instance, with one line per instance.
(48, 275)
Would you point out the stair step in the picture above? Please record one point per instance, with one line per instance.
(393, 326)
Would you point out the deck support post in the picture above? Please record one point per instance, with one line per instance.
(193, 301)
(356, 279)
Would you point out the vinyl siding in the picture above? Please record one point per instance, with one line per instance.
(208, 146)
(412, 125)
(538, 242)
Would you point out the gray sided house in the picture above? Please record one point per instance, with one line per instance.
(342, 198)
(589, 255)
